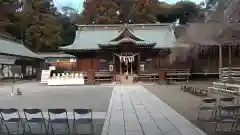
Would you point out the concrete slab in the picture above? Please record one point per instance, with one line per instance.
(144, 113)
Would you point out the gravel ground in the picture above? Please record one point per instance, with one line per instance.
(36, 95)
(187, 104)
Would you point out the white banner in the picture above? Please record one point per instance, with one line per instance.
(110, 67)
(52, 68)
(142, 67)
(45, 76)
(73, 60)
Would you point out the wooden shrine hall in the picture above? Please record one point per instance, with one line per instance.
(132, 49)
(141, 52)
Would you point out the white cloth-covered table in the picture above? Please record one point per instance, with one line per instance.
(66, 79)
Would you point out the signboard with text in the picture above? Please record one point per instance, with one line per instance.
(45, 76)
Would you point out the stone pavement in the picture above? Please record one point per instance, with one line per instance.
(135, 111)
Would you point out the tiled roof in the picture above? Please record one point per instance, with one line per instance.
(55, 55)
(10, 47)
(90, 36)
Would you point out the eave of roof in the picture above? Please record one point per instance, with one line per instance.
(55, 55)
(10, 46)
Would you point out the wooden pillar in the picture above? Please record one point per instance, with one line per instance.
(131, 68)
(120, 64)
(229, 55)
(220, 59)
(230, 61)
(127, 68)
(114, 65)
(138, 62)
(209, 63)
(127, 63)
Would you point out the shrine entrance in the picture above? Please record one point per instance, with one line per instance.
(126, 63)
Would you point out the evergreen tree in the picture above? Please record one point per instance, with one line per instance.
(43, 30)
(144, 11)
(100, 12)
(137, 11)
(7, 9)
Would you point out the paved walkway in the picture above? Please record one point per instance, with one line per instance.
(135, 111)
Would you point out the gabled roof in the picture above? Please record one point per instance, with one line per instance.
(127, 35)
(10, 46)
(89, 37)
(128, 40)
(127, 32)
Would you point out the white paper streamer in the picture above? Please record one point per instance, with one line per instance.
(126, 59)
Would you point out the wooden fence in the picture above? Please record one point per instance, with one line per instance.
(230, 73)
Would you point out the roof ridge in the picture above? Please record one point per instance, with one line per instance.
(51, 52)
(115, 25)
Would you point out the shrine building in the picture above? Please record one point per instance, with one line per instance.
(122, 48)
(138, 50)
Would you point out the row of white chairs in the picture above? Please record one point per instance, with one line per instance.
(224, 87)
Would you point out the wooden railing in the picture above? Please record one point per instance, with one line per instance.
(225, 87)
(103, 76)
(206, 71)
(178, 75)
(148, 76)
(230, 73)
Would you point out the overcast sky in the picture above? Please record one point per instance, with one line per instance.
(77, 4)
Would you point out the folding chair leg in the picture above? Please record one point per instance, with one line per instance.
(236, 127)
(50, 125)
(92, 129)
(74, 130)
(68, 127)
(29, 128)
(18, 125)
(41, 127)
(7, 128)
(232, 126)
(23, 125)
(216, 126)
(1, 126)
(46, 129)
(52, 128)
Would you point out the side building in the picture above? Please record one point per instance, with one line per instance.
(16, 60)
